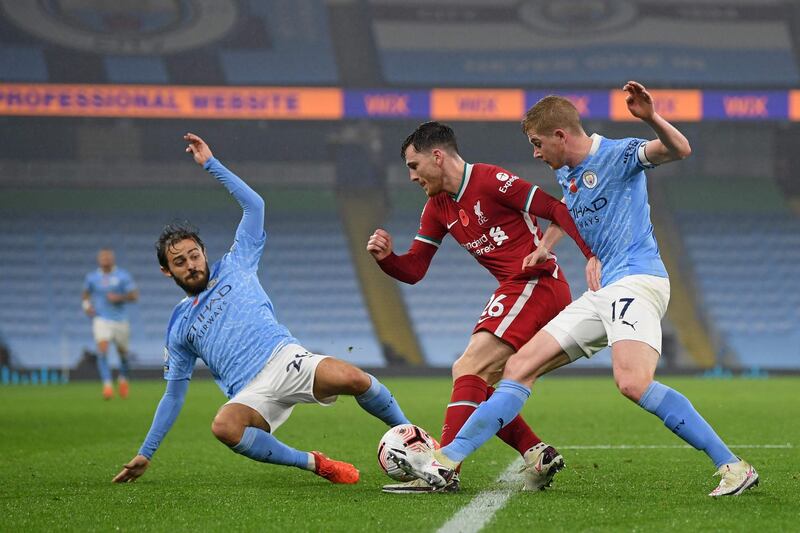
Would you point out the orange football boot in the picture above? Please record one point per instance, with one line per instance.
(123, 388)
(334, 471)
(108, 392)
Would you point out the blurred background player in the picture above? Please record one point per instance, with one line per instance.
(626, 312)
(228, 321)
(107, 294)
(492, 214)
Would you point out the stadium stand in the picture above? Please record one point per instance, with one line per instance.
(187, 43)
(743, 248)
(306, 269)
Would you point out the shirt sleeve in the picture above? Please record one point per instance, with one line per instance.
(128, 284)
(87, 283)
(250, 236)
(412, 266)
(166, 413)
(633, 157)
(178, 362)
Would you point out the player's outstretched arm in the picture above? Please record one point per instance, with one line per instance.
(551, 236)
(545, 206)
(167, 412)
(409, 267)
(379, 244)
(252, 204)
(670, 144)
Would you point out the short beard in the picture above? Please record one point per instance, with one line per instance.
(196, 287)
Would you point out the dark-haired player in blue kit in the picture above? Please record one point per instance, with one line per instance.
(228, 321)
(605, 189)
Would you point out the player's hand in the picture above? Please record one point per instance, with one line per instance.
(133, 470)
(539, 255)
(640, 102)
(198, 148)
(380, 244)
(593, 269)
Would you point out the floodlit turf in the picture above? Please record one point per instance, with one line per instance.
(61, 445)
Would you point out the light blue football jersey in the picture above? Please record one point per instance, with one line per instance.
(607, 196)
(231, 325)
(99, 284)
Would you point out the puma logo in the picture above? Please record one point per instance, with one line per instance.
(633, 326)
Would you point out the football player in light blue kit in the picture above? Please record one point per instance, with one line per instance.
(228, 321)
(605, 190)
(107, 293)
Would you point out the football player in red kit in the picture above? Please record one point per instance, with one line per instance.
(492, 214)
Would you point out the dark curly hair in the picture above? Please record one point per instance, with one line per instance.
(429, 135)
(172, 233)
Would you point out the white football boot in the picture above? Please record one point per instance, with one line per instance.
(542, 462)
(420, 486)
(736, 478)
(432, 466)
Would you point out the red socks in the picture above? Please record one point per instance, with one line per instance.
(468, 392)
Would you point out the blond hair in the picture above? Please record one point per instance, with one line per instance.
(551, 113)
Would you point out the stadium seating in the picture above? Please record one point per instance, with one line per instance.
(747, 271)
(306, 270)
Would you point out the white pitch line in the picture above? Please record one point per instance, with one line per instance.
(478, 512)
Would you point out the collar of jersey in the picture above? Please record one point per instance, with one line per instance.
(596, 139)
(464, 179)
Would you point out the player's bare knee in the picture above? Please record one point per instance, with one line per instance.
(631, 387)
(357, 380)
(226, 430)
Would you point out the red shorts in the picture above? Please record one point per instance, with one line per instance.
(520, 308)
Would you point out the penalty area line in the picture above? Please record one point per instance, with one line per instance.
(480, 510)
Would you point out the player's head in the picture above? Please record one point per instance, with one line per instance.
(549, 124)
(105, 259)
(182, 256)
(425, 151)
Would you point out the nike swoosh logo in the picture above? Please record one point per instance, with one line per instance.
(453, 223)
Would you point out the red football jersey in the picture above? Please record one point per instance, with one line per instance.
(493, 218)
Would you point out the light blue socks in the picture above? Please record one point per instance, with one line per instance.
(489, 418)
(380, 403)
(260, 445)
(103, 368)
(680, 416)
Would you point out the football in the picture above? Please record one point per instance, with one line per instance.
(402, 440)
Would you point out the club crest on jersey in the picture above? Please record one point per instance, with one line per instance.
(462, 216)
(478, 213)
(589, 179)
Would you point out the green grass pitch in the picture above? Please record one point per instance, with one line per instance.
(61, 445)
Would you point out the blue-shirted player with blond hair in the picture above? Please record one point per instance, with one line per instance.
(605, 189)
(228, 321)
(108, 291)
